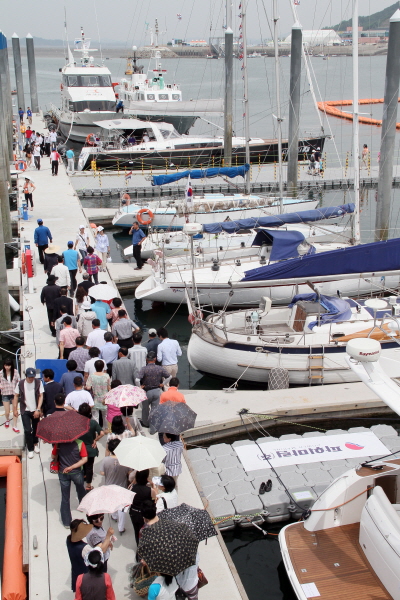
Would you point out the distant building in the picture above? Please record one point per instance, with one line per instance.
(197, 43)
(319, 37)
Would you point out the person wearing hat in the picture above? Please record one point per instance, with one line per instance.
(73, 262)
(75, 545)
(50, 258)
(153, 341)
(82, 241)
(86, 318)
(50, 292)
(30, 393)
(28, 188)
(102, 247)
(42, 236)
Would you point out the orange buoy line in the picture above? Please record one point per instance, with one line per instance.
(329, 107)
(13, 584)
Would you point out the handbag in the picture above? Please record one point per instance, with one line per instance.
(54, 467)
(202, 578)
(143, 581)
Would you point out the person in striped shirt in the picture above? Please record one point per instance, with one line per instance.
(173, 459)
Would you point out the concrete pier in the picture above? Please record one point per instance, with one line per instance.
(18, 71)
(45, 551)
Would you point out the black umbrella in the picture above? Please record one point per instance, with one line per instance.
(197, 519)
(172, 417)
(168, 548)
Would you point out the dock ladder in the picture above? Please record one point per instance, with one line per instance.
(316, 369)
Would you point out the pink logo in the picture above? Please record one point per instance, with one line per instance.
(352, 446)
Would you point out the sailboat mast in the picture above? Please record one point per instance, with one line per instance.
(356, 132)
(278, 105)
(246, 96)
(228, 119)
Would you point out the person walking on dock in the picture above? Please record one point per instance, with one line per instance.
(123, 330)
(80, 355)
(123, 369)
(21, 115)
(103, 313)
(47, 145)
(173, 460)
(172, 394)
(137, 239)
(138, 353)
(68, 336)
(71, 456)
(42, 235)
(50, 292)
(63, 300)
(78, 396)
(109, 352)
(59, 322)
(55, 160)
(36, 156)
(168, 352)
(50, 258)
(102, 246)
(29, 188)
(28, 134)
(91, 262)
(115, 474)
(73, 262)
(29, 115)
(153, 341)
(96, 336)
(9, 378)
(82, 239)
(70, 154)
(53, 138)
(86, 318)
(62, 274)
(365, 155)
(51, 389)
(152, 379)
(30, 393)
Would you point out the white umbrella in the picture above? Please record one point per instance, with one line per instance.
(103, 291)
(106, 499)
(140, 453)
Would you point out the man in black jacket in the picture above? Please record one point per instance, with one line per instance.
(51, 389)
(50, 292)
(63, 300)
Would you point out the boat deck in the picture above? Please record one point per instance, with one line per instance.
(334, 562)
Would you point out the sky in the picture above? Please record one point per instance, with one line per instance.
(127, 20)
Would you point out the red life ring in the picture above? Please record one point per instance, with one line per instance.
(196, 317)
(145, 211)
(90, 139)
(20, 165)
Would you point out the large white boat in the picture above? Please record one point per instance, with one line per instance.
(307, 338)
(241, 283)
(87, 94)
(147, 95)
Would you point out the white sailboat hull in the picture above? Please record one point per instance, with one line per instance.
(248, 293)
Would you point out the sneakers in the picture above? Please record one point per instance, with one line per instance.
(30, 455)
(37, 449)
(261, 491)
(7, 424)
(16, 430)
(268, 486)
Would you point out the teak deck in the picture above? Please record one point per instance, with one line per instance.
(334, 561)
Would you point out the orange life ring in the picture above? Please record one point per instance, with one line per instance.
(20, 165)
(93, 225)
(23, 263)
(90, 139)
(145, 211)
(195, 317)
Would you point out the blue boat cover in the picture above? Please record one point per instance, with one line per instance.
(285, 244)
(338, 309)
(303, 216)
(365, 258)
(201, 174)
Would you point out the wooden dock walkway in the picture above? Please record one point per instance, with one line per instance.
(56, 202)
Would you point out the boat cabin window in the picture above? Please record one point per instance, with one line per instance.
(163, 96)
(141, 96)
(176, 96)
(93, 105)
(165, 133)
(151, 96)
(89, 81)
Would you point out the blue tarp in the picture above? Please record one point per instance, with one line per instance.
(303, 216)
(284, 243)
(338, 309)
(365, 258)
(201, 174)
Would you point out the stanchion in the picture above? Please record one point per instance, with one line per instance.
(346, 168)
(274, 170)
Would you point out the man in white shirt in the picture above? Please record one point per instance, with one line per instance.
(168, 352)
(89, 367)
(96, 337)
(62, 273)
(82, 241)
(79, 396)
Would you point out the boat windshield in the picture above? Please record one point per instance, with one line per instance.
(168, 134)
(88, 80)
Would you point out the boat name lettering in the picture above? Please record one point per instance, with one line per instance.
(369, 353)
(317, 450)
(175, 290)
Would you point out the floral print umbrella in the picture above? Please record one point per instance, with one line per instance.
(125, 395)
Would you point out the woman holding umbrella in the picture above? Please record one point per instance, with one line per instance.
(90, 439)
(99, 382)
